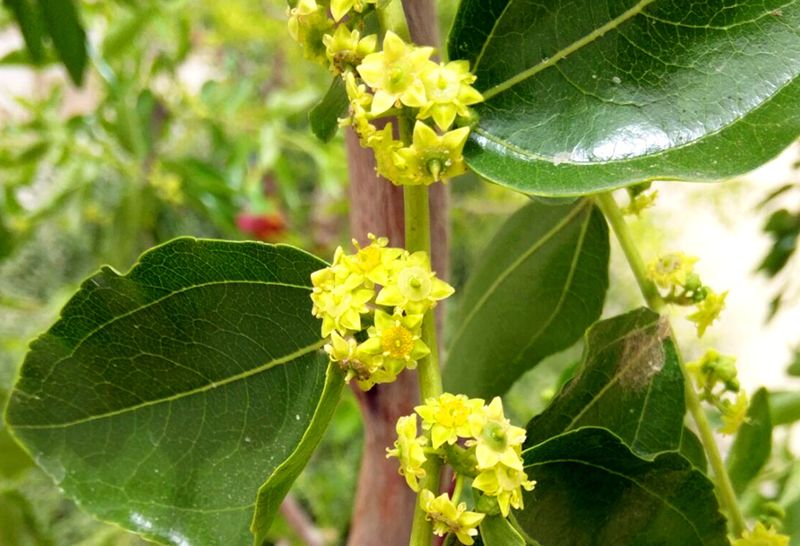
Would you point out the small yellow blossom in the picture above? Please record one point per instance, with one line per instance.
(413, 287)
(409, 450)
(762, 536)
(733, 413)
(671, 270)
(339, 297)
(360, 100)
(344, 351)
(308, 23)
(374, 260)
(447, 417)
(340, 8)
(506, 484)
(708, 311)
(640, 203)
(345, 48)
(394, 344)
(448, 92)
(433, 157)
(713, 368)
(394, 74)
(497, 441)
(449, 518)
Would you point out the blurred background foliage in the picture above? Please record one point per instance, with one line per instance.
(192, 120)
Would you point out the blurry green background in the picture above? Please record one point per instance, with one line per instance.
(192, 120)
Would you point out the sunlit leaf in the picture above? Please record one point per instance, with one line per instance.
(588, 95)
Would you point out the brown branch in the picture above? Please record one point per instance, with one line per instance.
(384, 504)
(299, 521)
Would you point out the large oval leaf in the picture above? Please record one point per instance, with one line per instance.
(540, 283)
(161, 399)
(591, 490)
(629, 382)
(588, 95)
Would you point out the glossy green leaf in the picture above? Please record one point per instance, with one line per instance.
(161, 399)
(13, 460)
(629, 382)
(497, 531)
(64, 27)
(324, 116)
(537, 287)
(591, 490)
(588, 95)
(30, 24)
(753, 443)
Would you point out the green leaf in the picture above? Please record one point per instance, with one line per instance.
(588, 95)
(324, 116)
(753, 443)
(692, 449)
(497, 531)
(539, 284)
(13, 460)
(64, 27)
(785, 406)
(30, 25)
(629, 382)
(162, 398)
(592, 490)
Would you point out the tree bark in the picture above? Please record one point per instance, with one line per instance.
(384, 504)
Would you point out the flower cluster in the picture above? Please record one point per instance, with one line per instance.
(675, 273)
(715, 377)
(479, 442)
(388, 287)
(399, 81)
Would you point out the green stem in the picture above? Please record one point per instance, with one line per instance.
(725, 491)
(417, 225)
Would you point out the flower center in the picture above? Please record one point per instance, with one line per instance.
(452, 414)
(397, 341)
(368, 258)
(494, 434)
(414, 283)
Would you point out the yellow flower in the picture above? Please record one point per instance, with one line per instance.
(394, 74)
(339, 297)
(708, 311)
(448, 92)
(433, 157)
(713, 368)
(345, 352)
(360, 101)
(506, 484)
(408, 449)
(340, 8)
(393, 345)
(345, 48)
(640, 203)
(308, 23)
(671, 270)
(761, 536)
(449, 518)
(413, 287)
(374, 260)
(497, 441)
(447, 417)
(733, 413)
